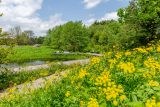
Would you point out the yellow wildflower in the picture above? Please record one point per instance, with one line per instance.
(151, 103)
(127, 67)
(11, 90)
(95, 60)
(82, 103)
(123, 97)
(158, 48)
(128, 53)
(115, 103)
(152, 64)
(108, 54)
(118, 55)
(112, 62)
(103, 79)
(68, 94)
(158, 104)
(149, 48)
(153, 83)
(113, 92)
(92, 103)
(141, 50)
(82, 73)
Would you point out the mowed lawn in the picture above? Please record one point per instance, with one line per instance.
(30, 53)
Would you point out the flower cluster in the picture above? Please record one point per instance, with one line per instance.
(103, 79)
(118, 55)
(152, 64)
(114, 92)
(68, 94)
(141, 50)
(95, 60)
(127, 67)
(112, 62)
(158, 48)
(82, 73)
(153, 83)
(152, 103)
(92, 103)
(128, 53)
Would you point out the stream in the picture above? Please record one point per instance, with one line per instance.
(15, 65)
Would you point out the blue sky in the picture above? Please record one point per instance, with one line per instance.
(41, 15)
(75, 9)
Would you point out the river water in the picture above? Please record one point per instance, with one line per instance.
(14, 65)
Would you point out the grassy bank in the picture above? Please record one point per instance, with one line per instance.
(130, 78)
(29, 53)
(9, 79)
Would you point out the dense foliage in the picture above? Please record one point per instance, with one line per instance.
(72, 36)
(143, 16)
(4, 50)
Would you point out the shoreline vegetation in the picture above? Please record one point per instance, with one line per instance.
(22, 54)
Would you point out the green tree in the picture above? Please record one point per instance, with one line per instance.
(143, 15)
(5, 50)
(22, 39)
(72, 36)
(104, 35)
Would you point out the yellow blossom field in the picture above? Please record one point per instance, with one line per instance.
(117, 79)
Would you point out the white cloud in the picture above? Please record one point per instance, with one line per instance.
(24, 13)
(92, 3)
(110, 16)
(107, 16)
(89, 21)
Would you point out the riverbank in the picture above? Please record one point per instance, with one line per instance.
(22, 54)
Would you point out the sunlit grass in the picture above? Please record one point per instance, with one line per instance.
(30, 53)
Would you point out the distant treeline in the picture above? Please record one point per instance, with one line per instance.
(19, 37)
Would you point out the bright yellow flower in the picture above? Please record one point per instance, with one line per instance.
(151, 103)
(112, 62)
(82, 103)
(82, 73)
(115, 103)
(123, 97)
(127, 67)
(158, 48)
(95, 60)
(68, 94)
(103, 79)
(92, 103)
(118, 55)
(158, 104)
(149, 48)
(153, 83)
(152, 64)
(128, 53)
(141, 50)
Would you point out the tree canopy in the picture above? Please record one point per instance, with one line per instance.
(144, 15)
(72, 36)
